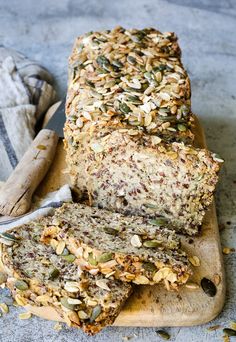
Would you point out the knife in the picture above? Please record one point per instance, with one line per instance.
(16, 193)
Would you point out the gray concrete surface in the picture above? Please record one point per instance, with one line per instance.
(45, 29)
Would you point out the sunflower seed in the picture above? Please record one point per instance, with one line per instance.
(82, 314)
(25, 315)
(102, 283)
(4, 308)
(60, 247)
(194, 261)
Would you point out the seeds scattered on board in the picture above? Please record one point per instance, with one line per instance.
(228, 250)
(163, 334)
(194, 261)
(214, 327)
(4, 308)
(229, 332)
(208, 287)
(25, 315)
(216, 279)
(192, 286)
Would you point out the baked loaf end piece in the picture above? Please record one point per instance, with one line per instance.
(37, 276)
(131, 78)
(134, 173)
(126, 248)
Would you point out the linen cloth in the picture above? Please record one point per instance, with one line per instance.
(40, 208)
(26, 92)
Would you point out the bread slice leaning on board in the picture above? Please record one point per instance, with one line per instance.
(131, 249)
(128, 133)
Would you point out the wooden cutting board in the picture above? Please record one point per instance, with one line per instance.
(154, 306)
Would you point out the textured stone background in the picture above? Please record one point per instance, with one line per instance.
(45, 29)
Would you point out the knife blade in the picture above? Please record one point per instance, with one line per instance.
(16, 193)
(58, 119)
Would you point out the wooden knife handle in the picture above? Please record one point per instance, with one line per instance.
(16, 193)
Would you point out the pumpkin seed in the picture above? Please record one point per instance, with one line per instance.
(229, 332)
(64, 302)
(3, 278)
(150, 205)
(149, 266)
(69, 258)
(91, 259)
(152, 243)
(131, 60)
(21, 285)
(159, 221)
(9, 237)
(181, 127)
(134, 100)
(149, 77)
(102, 60)
(54, 274)
(184, 110)
(110, 231)
(105, 257)
(163, 334)
(118, 64)
(124, 108)
(208, 287)
(95, 313)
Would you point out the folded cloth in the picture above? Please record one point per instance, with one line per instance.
(40, 208)
(26, 92)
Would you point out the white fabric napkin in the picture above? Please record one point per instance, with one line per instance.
(40, 207)
(26, 92)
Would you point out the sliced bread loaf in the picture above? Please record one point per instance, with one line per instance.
(137, 174)
(37, 276)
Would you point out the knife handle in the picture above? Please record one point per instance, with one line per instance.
(16, 193)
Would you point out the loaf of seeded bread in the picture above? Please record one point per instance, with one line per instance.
(126, 248)
(133, 78)
(137, 174)
(38, 277)
(128, 114)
